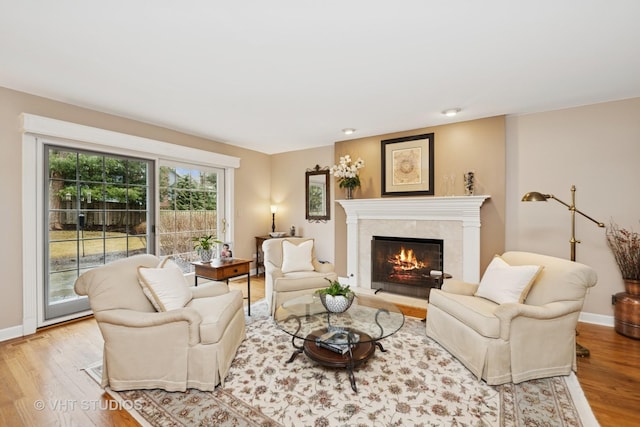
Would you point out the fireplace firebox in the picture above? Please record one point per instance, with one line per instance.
(406, 266)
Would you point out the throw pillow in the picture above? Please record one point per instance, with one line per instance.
(503, 283)
(165, 286)
(296, 257)
(169, 263)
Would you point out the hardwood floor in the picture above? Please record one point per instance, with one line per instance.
(47, 368)
(610, 377)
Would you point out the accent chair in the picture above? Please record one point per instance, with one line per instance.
(292, 269)
(529, 333)
(189, 343)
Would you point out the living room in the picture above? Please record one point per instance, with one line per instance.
(545, 152)
(592, 145)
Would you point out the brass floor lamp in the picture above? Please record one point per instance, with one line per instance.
(534, 196)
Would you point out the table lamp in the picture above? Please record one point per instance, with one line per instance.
(274, 209)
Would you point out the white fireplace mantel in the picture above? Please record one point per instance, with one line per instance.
(457, 215)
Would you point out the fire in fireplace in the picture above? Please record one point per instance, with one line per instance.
(406, 266)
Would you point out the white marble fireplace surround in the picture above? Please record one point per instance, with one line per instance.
(456, 220)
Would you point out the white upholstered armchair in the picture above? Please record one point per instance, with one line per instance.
(189, 345)
(292, 269)
(513, 341)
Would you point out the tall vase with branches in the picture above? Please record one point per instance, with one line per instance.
(625, 245)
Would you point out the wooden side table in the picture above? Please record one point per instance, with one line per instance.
(259, 254)
(225, 270)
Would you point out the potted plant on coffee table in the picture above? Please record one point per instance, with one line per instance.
(336, 298)
(204, 246)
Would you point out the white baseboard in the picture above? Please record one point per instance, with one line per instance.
(597, 319)
(11, 333)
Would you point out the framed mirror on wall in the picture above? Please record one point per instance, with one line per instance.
(317, 198)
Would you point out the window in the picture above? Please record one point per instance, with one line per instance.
(191, 205)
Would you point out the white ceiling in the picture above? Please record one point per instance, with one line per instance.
(283, 75)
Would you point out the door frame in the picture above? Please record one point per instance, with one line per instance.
(35, 129)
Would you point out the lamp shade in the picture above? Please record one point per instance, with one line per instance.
(274, 209)
(534, 196)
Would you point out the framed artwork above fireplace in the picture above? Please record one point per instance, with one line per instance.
(407, 166)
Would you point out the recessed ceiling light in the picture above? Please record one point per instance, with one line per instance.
(451, 112)
(348, 131)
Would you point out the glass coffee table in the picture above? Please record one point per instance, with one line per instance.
(338, 340)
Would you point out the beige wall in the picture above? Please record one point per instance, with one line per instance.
(287, 191)
(595, 147)
(477, 145)
(252, 194)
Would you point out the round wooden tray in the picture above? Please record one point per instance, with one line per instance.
(359, 353)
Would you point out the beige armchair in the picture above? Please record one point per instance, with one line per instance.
(292, 269)
(187, 347)
(514, 342)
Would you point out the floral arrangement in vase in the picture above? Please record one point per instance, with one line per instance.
(625, 245)
(337, 297)
(347, 173)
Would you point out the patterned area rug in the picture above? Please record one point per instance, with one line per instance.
(416, 382)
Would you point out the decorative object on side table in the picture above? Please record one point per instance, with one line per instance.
(535, 196)
(348, 174)
(336, 298)
(226, 253)
(204, 246)
(625, 245)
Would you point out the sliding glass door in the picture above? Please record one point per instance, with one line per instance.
(99, 209)
(191, 205)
